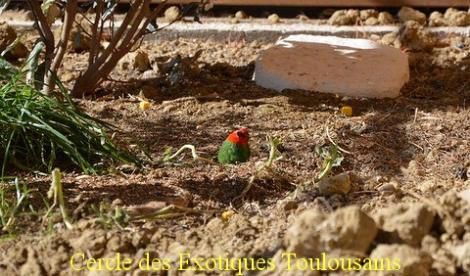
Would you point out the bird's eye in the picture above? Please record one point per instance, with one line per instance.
(241, 134)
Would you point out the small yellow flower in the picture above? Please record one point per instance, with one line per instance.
(144, 105)
(227, 215)
(347, 110)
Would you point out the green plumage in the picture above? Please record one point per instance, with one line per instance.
(231, 153)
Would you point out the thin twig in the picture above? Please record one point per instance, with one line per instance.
(333, 142)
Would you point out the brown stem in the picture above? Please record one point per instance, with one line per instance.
(70, 11)
(46, 35)
(135, 7)
(123, 40)
(90, 78)
(95, 37)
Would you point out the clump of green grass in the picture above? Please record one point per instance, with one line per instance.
(39, 132)
(12, 204)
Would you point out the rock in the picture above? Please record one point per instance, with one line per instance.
(53, 12)
(415, 37)
(371, 21)
(406, 14)
(465, 195)
(302, 17)
(412, 261)
(345, 66)
(462, 254)
(338, 184)
(7, 36)
(91, 240)
(241, 15)
(366, 14)
(274, 18)
(141, 61)
(456, 220)
(347, 110)
(302, 236)
(389, 38)
(388, 188)
(281, 268)
(385, 18)
(234, 21)
(436, 19)
(353, 14)
(405, 223)
(444, 263)
(19, 51)
(455, 17)
(430, 244)
(344, 17)
(347, 229)
(172, 14)
(68, 76)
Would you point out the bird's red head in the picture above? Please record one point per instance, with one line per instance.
(240, 136)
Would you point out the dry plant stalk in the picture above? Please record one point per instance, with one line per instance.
(132, 30)
(101, 61)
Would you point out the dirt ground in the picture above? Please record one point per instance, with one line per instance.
(410, 150)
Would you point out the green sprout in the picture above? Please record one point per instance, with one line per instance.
(9, 209)
(57, 194)
(111, 216)
(332, 157)
(274, 155)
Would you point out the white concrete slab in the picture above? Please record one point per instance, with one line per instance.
(344, 66)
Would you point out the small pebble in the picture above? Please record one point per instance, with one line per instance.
(274, 18)
(172, 13)
(240, 15)
(144, 105)
(227, 215)
(347, 110)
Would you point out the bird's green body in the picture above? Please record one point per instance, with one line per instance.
(233, 153)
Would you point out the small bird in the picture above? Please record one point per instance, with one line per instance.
(235, 149)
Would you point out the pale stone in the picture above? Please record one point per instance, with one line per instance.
(172, 13)
(455, 17)
(465, 195)
(344, 17)
(338, 184)
(436, 19)
(241, 15)
(407, 14)
(344, 66)
(274, 18)
(385, 18)
(412, 261)
(346, 229)
(365, 14)
(405, 223)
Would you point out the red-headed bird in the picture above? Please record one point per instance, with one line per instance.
(235, 149)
